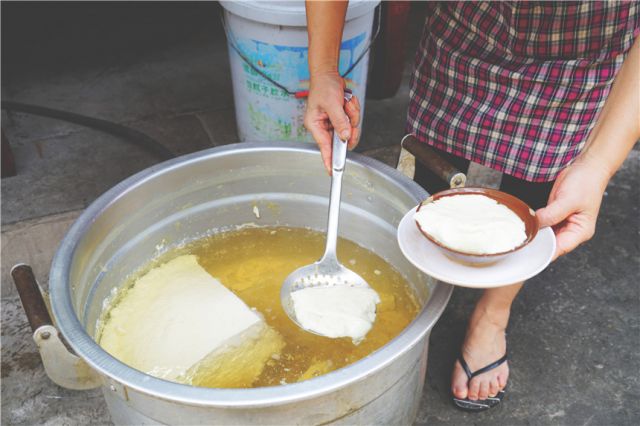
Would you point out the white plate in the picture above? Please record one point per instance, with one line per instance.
(518, 266)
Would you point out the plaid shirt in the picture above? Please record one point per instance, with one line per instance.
(517, 86)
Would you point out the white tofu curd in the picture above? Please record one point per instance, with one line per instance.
(336, 311)
(472, 223)
(172, 317)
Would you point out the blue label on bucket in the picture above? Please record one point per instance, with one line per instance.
(288, 65)
(266, 112)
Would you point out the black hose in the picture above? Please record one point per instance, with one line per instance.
(133, 136)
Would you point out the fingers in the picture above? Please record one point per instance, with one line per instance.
(554, 213)
(323, 136)
(570, 236)
(339, 120)
(326, 98)
(355, 136)
(352, 109)
(325, 153)
(327, 113)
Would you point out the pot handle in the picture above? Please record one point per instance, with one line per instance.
(31, 296)
(62, 366)
(413, 150)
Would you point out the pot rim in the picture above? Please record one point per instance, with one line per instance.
(100, 360)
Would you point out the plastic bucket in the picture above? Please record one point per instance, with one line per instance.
(270, 38)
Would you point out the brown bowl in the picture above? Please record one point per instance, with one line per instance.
(519, 207)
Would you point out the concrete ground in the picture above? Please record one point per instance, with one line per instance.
(163, 69)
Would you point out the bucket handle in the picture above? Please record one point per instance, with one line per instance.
(64, 368)
(296, 93)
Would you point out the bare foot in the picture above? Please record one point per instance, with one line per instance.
(484, 343)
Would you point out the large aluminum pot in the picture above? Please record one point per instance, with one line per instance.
(217, 189)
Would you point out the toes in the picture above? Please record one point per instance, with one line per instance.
(494, 387)
(459, 382)
(484, 390)
(459, 392)
(502, 381)
(474, 390)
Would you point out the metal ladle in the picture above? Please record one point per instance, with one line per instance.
(327, 271)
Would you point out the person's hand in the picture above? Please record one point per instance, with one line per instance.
(326, 111)
(574, 203)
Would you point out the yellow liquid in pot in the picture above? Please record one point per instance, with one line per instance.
(253, 263)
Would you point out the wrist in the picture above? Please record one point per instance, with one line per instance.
(328, 80)
(595, 167)
(323, 70)
(598, 164)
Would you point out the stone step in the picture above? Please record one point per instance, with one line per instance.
(33, 242)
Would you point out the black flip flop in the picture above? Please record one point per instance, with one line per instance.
(480, 404)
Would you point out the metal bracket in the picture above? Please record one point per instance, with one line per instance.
(406, 163)
(413, 151)
(63, 367)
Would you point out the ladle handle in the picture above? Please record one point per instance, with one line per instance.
(30, 296)
(338, 162)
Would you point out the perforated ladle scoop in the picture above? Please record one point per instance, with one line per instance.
(327, 271)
